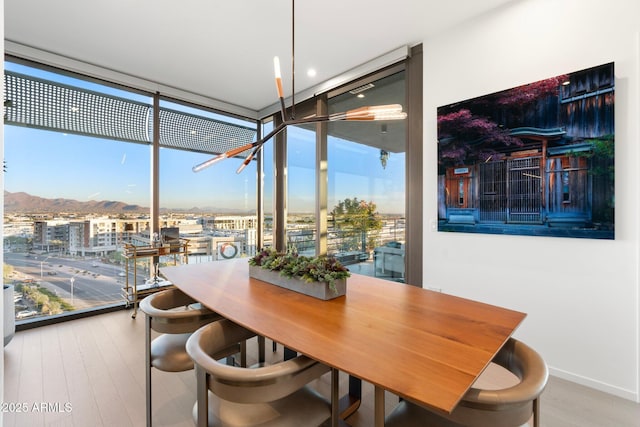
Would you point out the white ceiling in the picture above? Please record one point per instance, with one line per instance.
(224, 49)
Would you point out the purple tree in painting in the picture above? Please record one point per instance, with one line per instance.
(461, 135)
(479, 129)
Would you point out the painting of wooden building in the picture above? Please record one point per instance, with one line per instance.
(534, 160)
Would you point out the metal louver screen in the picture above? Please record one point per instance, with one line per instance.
(43, 104)
(195, 133)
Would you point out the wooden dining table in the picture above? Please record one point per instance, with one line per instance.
(422, 345)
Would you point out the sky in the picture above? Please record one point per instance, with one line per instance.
(57, 165)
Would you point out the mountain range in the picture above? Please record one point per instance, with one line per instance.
(26, 203)
(21, 202)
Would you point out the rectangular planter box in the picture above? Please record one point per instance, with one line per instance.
(319, 290)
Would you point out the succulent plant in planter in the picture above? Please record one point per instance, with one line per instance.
(310, 269)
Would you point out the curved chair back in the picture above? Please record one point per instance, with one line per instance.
(512, 406)
(508, 407)
(164, 309)
(241, 385)
(274, 395)
(175, 316)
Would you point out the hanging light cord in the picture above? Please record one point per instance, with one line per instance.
(377, 112)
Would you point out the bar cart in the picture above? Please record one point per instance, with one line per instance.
(133, 292)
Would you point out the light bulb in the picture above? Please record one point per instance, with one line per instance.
(209, 162)
(375, 112)
(241, 167)
(276, 67)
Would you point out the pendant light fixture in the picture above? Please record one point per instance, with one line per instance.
(370, 113)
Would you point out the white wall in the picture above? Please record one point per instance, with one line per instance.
(581, 295)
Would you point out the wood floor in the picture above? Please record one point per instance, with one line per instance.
(90, 372)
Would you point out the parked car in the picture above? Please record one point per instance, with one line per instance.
(26, 313)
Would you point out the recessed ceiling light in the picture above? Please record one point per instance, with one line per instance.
(311, 72)
(360, 95)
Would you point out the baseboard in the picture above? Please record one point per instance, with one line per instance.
(597, 385)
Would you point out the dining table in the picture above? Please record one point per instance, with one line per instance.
(422, 345)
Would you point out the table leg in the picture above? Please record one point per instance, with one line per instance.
(378, 417)
(289, 354)
(335, 397)
(261, 350)
(350, 402)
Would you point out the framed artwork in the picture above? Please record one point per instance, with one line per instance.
(534, 160)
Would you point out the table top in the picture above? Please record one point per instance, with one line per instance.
(422, 345)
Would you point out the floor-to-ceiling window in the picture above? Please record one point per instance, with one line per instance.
(215, 209)
(81, 181)
(366, 182)
(78, 187)
(301, 194)
(67, 193)
(347, 182)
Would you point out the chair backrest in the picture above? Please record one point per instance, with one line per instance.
(247, 385)
(174, 312)
(512, 406)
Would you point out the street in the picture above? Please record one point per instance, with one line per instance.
(82, 283)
